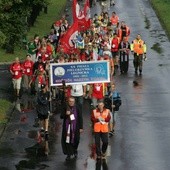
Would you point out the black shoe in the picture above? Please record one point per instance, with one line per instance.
(46, 135)
(75, 154)
(68, 158)
(42, 132)
(136, 71)
(140, 72)
(111, 133)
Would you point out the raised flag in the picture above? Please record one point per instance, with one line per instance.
(82, 16)
(67, 41)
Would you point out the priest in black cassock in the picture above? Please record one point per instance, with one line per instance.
(72, 127)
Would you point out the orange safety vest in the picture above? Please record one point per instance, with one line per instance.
(114, 20)
(98, 126)
(138, 46)
(127, 33)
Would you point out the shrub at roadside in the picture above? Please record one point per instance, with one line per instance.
(162, 8)
(4, 108)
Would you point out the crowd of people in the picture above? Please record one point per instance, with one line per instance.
(106, 39)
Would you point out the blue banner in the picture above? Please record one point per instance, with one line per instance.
(79, 73)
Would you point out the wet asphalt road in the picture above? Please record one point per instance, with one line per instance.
(142, 134)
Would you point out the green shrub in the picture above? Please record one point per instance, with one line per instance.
(4, 107)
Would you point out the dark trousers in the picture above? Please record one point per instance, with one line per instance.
(104, 138)
(79, 101)
(138, 61)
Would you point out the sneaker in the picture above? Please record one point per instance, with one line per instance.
(46, 135)
(75, 154)
(111, 133)
(68, 158)
(42, 132)
(140, 72)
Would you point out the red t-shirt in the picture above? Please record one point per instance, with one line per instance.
(40, 79)
(97, 90)
(115, 44)
(28, 67)
(49, 50)
(16, 68)
(44, 56)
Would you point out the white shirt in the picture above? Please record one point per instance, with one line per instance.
(77, 90)
(108, 52)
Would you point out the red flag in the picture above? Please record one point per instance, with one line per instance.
(82, 16)
(67, 40)
(78, 14)
(87, 21)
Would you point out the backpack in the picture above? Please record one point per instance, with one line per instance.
(116, 101)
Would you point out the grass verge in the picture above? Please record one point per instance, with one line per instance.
(161, 8)
(42, 27)
(4, 107)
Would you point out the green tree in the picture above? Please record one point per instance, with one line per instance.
(14, 16)
(2, 38)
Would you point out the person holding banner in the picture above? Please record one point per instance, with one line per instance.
(72, 127)
(78, 91)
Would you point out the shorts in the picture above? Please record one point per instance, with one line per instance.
(43, 117)
(115, 54)
(26, 80)
(17, 83)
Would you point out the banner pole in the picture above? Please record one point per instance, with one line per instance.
(50, 89)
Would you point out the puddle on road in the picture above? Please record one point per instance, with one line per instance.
(25, 104)
(147, 23)
(6, 151)
(35, 155)
(156, 47)
(3, 168)
(32, 134)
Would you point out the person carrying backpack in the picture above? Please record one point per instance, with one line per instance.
(43, 110)
(113, 102)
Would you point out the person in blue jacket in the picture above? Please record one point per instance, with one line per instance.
(113, 102)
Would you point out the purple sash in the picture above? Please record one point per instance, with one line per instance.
(72, 124)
